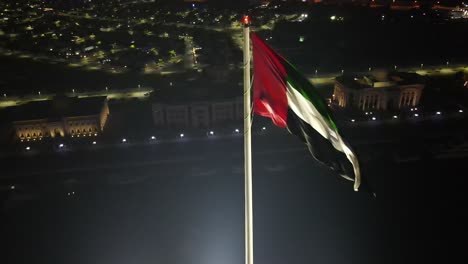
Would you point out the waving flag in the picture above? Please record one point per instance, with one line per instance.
(291, 101)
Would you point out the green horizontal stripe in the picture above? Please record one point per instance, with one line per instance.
(306, 89)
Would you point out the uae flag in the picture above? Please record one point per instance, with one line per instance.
(283, 94)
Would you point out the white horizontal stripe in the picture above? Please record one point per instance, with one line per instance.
(306, 111)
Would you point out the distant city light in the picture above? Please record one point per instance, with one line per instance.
(263, 128)
(461, 111)
(416, 109)
(153, 137)
(367, 113)
(12, 187)
(236, 130)
(211, 132)
(94, 142)
(61, 146)
(352, 120)
(181, 135)
(438, 113)
(395, 117)
(373, 118)
(28, 148)
(95, 134)
(124, 140)
(416, 115)
(332, 17)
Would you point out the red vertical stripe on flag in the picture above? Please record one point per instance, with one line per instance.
(269, 96)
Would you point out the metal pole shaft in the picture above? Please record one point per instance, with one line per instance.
(247, 151)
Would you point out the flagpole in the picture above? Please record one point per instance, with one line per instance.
(247, 147)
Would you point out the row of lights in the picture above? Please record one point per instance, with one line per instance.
(182, 135)
(152, 138)
(84, 135)
(396, 117)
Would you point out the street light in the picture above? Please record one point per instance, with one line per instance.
(352, 120)
(94, 142)
(61, 145)
(181, 135)
(28, 148)
(124, 140)
(438, 113)
(236, 130)
(373, 118)
(460, 111)
(211, 132)
(153, 137)
(422, 65)
(416, 115)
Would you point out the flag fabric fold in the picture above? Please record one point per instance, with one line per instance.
(283, 94)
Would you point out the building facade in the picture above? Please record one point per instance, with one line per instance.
(204, 114)
(70, 117)
(378, 91)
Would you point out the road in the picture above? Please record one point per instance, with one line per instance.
(324, 79)
(138, 93)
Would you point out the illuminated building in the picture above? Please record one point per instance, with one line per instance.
(203, 114)
(381, 90)
(60, 117)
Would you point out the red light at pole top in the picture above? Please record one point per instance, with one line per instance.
(246, 20)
